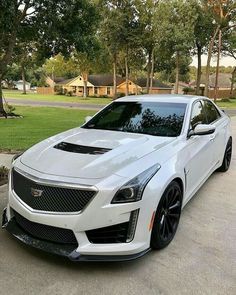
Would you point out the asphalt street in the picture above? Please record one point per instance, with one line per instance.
(96, 107)
(200, 260)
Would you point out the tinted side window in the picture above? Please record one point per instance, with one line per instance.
(198, 116)
(211, 111)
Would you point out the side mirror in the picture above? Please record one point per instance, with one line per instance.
(88, 118)
(202, 129)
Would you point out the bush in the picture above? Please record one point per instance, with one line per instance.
(225, 100)
(69, 93)
(120, 94)
(58, 89)
(187, 90)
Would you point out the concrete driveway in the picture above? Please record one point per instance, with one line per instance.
(200, 260)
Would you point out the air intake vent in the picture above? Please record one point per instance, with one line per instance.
(80, 149)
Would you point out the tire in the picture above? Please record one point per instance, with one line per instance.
(167, 216)
(227, 157)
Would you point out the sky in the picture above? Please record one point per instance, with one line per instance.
(224, 61)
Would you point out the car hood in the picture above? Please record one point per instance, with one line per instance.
(118, 149)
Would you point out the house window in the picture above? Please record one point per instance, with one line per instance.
(108, 90)
(95, 90)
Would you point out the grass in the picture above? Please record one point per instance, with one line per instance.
(38, 123)
(231, 104)
(16, 94)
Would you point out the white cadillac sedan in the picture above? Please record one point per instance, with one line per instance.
(114, 188)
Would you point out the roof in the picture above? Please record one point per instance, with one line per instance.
(104, 80)
(63, 82)
(223, 82)
(142, 82)
(178, 98)
(21, 82)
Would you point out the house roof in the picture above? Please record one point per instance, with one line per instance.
(66, 81)
(224, 80)
(21, 82)
(142, 82)
(104, 80)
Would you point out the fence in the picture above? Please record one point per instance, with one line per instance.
(45, 90)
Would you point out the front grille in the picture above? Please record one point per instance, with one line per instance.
(46, 232)
(48, 198)
(111, 234)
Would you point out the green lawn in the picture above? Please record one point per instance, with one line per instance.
(38, 123)
(57, 98)
(231, 104)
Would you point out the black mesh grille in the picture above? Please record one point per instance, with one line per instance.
(45, 232)
(51, 199)
(111, 234)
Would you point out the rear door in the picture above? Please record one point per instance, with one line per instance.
(218, 138)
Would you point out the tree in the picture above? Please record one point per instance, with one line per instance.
(55, 26)
(202, 33)
(224, 13)
(229, 48)
(148, 36)
(120, 31)
(175, 21)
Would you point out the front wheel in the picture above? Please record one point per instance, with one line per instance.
(167, 216)
(227, 157)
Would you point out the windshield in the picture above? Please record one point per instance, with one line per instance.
(153, 118)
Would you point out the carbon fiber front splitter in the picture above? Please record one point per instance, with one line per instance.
(66, 250)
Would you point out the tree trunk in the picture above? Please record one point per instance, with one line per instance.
(199, 68)
(232, 82)
(152, 72)
(23, 78)
(218, 66)
(85, 78)
(211, 44)
(177, 74)
(126, 76)
(114, 78)
(2, 111)
(149, 71)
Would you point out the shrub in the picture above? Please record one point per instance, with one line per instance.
(225, 100)
(120, 94)
(69, 93)
(58, 89)
(187, 90)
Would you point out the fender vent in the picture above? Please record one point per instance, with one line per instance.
(80, 149)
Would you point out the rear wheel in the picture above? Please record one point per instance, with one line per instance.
(227, 157)
(167, 216)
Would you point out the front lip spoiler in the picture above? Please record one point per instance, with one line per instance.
(65, 250)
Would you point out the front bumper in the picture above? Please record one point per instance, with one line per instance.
(65, 250)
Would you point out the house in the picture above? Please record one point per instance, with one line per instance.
(224, 85)
(97, 85)
(51, 82)
(103, 85)
(157, 86)
(19, 85)
(76, 86)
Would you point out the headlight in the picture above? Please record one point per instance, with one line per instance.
(132, 191)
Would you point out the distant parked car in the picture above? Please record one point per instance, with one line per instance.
(114, 188)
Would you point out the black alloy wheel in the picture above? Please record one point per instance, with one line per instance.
(167, 216)
(227, 157)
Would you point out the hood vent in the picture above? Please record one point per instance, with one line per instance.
(80, 149)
